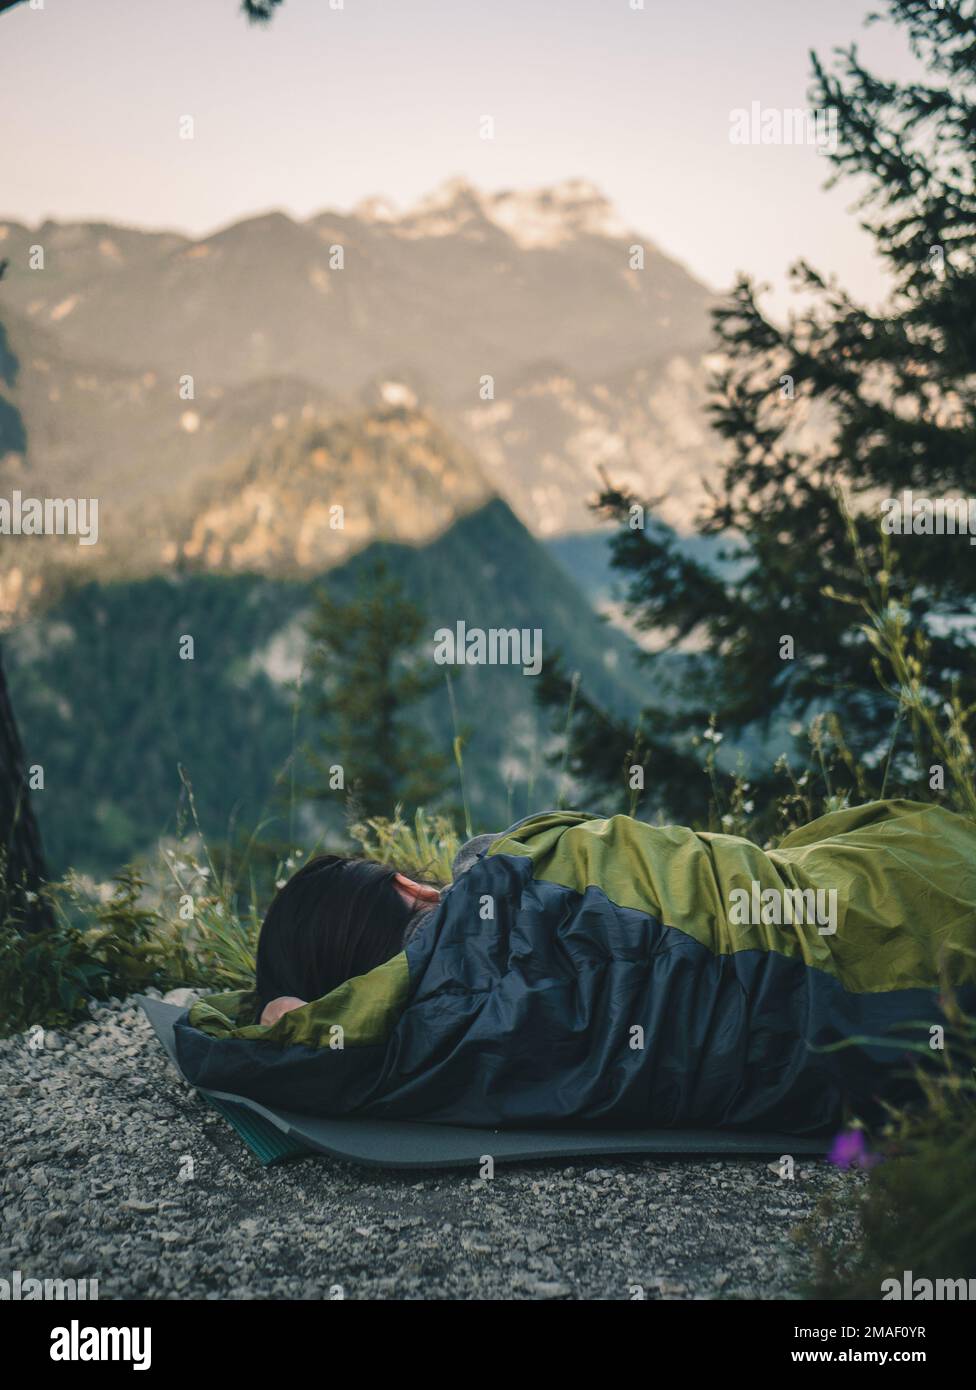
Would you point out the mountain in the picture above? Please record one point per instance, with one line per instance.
(270, 477)
(109, 710)
(155, 368)
(463, 284)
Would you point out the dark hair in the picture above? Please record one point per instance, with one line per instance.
(333, 919)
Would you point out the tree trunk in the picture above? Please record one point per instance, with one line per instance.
(20, 840)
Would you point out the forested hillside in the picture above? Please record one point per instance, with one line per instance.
(110, 710)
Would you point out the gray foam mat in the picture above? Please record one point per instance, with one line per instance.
(412, 1144)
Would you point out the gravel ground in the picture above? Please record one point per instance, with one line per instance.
(114, 1169)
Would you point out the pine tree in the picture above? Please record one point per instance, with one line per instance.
(22, 870)
(892, 399)
(367, 674)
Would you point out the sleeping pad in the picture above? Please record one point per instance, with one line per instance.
(625, 974)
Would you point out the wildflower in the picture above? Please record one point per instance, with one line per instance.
(850, 1150)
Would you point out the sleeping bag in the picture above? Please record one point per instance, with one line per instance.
(623, 974)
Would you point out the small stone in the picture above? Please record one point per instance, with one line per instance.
(183, 998)
(475, 1245)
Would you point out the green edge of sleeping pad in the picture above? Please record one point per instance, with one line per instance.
(266, 1141)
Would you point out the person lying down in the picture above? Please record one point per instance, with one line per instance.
(604, 971)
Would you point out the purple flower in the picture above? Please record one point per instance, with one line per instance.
(849, 1150)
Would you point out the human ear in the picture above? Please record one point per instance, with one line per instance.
(416, 894)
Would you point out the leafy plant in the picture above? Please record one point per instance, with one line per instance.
(99, 945)
(425, 849)
(917, 1210)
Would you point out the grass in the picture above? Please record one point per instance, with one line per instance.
(425, 850)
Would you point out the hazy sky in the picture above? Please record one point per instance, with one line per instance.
(327, 106)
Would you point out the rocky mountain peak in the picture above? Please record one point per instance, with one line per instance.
(539, 217)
